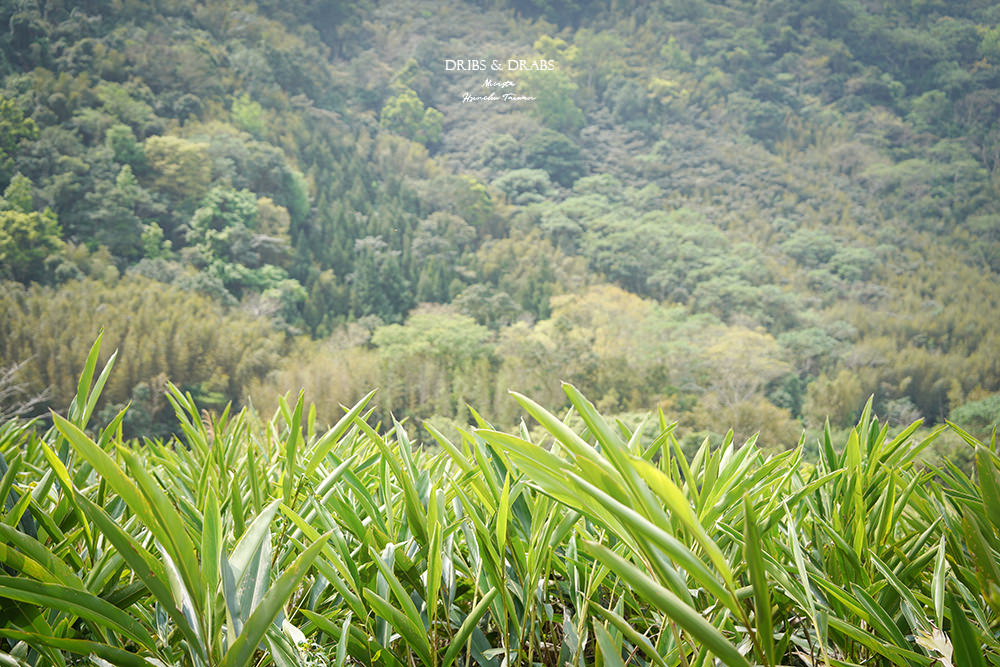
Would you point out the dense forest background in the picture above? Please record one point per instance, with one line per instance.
(748, 214)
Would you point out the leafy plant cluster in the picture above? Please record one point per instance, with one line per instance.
(242, 542)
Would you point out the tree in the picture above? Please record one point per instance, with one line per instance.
(197, 343)
(524, 186)
(180, 167)
(809, 349)
(225, 233)
(248, 115)
(115, 220)
(838, 398)
(221, 227)
(27, 237)
(989, 48)
(754, 414)
(978, 416)
(406, 115)
(742, 363)
(490, 307)
(554, 103)
(378, 286)
(810, 248)
(126, 148)
(424, 361)
(17, 399)
(14, 128)
(501, 152)
(556, 154)
(530, 269)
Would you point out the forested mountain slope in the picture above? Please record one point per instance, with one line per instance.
(751, 214)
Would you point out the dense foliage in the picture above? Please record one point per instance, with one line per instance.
(255, 543)
(812, 185)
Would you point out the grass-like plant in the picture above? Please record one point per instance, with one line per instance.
(248, 542)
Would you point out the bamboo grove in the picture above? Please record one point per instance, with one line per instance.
(252, 542)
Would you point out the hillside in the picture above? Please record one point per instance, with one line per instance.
(749, 214)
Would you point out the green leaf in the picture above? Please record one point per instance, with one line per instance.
(168, 527)
(292, 448)
(610, 654)
(211, 547)
(77, 603)
(989, 482)
(146, 567)
(967, 650)
(106, 467)
(415, 636)
(671, 605)
(467, 627)
(399, 591)
(642, 528)
(856, 478)
(32, 559)
(752, 552)
(503, 511)
(267, 610)
(331, 437)
(76, 409)
(411, 500)
(435, 567)
(678, 504)
(940, 565)
(65, 482)
(800, 566)
(563, 433)
(84, 647)
(630, 633)
(95, 393)
(252, 538)
(896, 655)
(344, 636)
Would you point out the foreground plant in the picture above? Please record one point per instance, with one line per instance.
(243, 542)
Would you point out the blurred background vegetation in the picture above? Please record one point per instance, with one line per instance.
(749, 214)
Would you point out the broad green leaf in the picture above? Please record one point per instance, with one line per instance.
(292, 448)
(640, 527)
(411, 501)
(856, 478)
(78, 603)
(331, 437)
(503, 511)
(82, 647)
(630, 633)
(252, 538)
(147, 568)
(963, 638)
(267, 610)
(211, 547)
(415, 636)
(169, 528)
(469, 624)
(989, 481)
(671, 605)
(398, 590)
(752, 552)
(677, 503)
(563, 433)
(611, 656)
(940, 565)
(342, 643)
